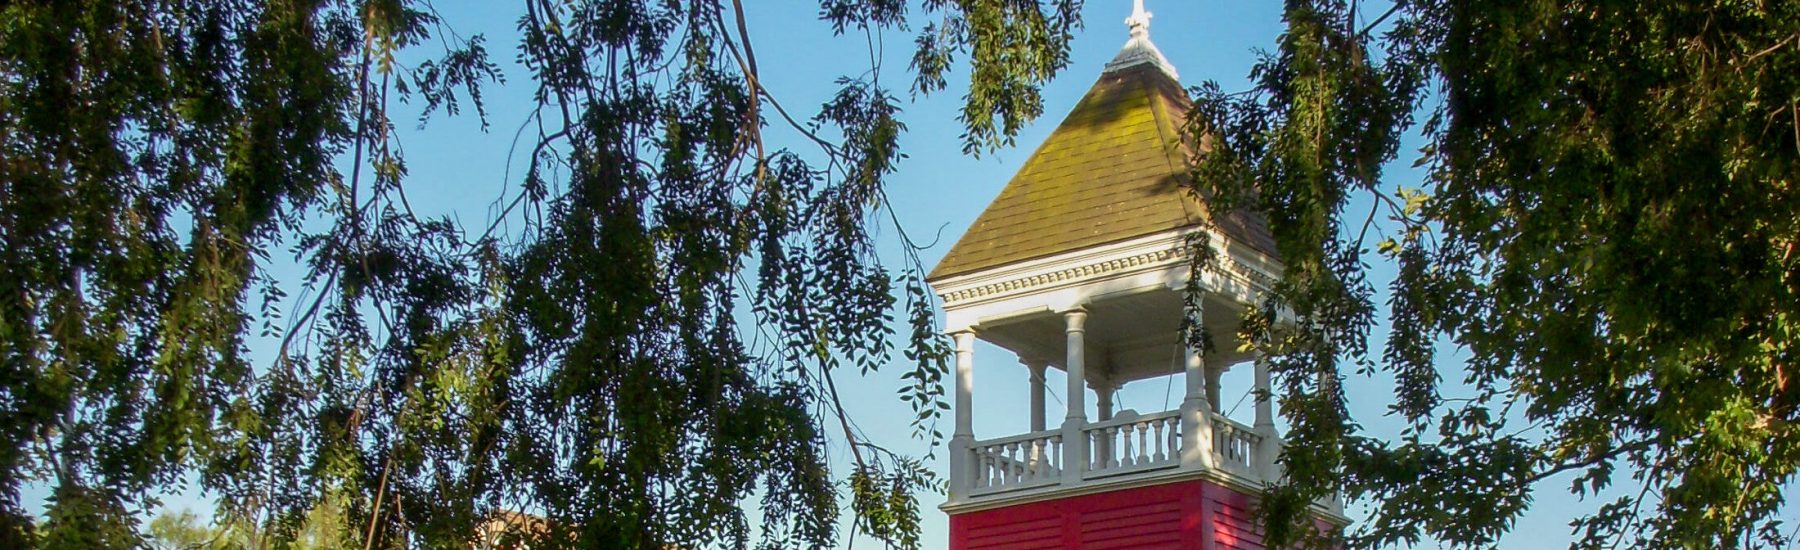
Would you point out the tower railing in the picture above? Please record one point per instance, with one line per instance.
(1235, 446)
(1014, 463)
(1116, 451)
(1134, 443)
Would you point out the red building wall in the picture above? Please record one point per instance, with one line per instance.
(1186, 515)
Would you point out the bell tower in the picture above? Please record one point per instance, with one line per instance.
(1080, 265)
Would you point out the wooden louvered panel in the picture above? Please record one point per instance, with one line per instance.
(1183, 515)
(1043, 533)
(1091, 524)
(1051, 542)
(1152, 524)
(1169, 538)
(1235, 526)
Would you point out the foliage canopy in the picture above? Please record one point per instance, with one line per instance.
(578, 357)
(1606, 229)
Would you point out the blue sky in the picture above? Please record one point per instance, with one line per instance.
(457, 169)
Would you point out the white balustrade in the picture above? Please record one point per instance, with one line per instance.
(1234, 445)
(1016, 462)
(1119, 449)
(1131, 443)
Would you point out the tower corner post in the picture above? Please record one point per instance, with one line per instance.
(1196, 416)
(1075, 453)
(1268, 446)
(962, 463)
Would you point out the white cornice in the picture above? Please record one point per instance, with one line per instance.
(1153, 252)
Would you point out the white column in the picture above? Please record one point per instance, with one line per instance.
(965, 383)
(1037, 368)
(1269, 448)
(1103, 398)
(1103, 407)
(1196, 418)
(962, 465)
(1212, 387)
(1265, 407)
(1075, 455)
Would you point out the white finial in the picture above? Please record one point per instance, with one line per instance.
(1139, 22)
(1138, 50)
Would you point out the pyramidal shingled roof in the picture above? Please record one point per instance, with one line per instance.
(1112, 170)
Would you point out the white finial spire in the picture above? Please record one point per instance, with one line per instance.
(1139, 22)
(1139, 50)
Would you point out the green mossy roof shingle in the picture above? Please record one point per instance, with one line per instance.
(1113, 170)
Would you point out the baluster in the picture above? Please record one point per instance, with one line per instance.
(1013, 473)
(998, 471)
(1237, 446)
(1131, 452)
(1112, 455)
(982, 478)
(1243, 451)
(1174, 439)
(1229, 442)
(1030, 459)
(993, 465)
(1162, 441)
(1231, 447)
(1143, 447)
(1056, 454)
(1122, 456)
(1152, 440)
(1226, 444)
(1221, 439)
(1178, 446)
(1040, 463)
(1146, 442)
(1000, 465)
(1003, 465)
(1115, 447)
(1023, 464)
(1111, 458)
(987, 466)
(974, 468)
(1143, 444)
(1043, 458)
(1098, 449)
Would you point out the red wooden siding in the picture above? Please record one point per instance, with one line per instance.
(1187, 515)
